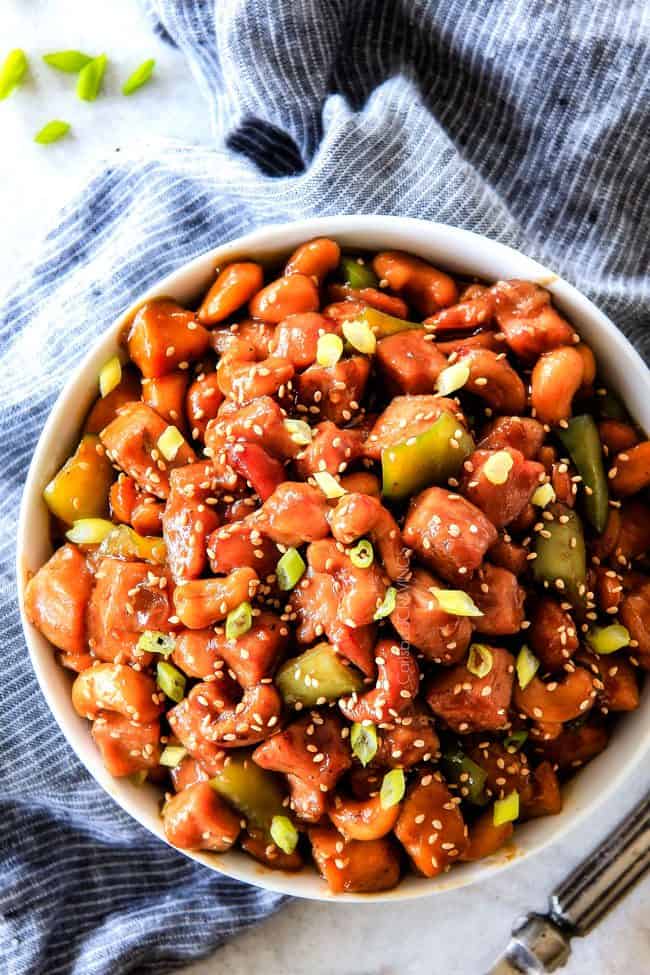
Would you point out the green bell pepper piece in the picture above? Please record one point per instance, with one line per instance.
(460, 769)
(80, 489)
(581, 439)
(358, 275)
(254, 792)
(382, 324)
(561, 560)
(425, 459)
(317, 674)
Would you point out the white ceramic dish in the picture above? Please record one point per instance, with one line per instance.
(458, 251)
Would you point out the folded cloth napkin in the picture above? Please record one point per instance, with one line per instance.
(524, 120)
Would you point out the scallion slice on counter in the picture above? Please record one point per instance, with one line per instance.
(52, 132)
(69, 61)
(91, 77)
(290, 569)
(12, 72)
(139, 77)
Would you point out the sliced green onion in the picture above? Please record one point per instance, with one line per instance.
(516, 739)
(527, 666)
(69, 61)
(543, 495)
(329, 349)
(284, 834)
(465, 773)
(290, 569)
(497, 467)
(506, 810)
(12, 72)
(90, 78)
(52, 132)
(170, 442)
(89, 531)
(110, 376)
(153, 641)
(139, 77)
(328, 484)
(479, 660)
(172, 755)
(360, 336)
(138, 778)
(363, 739)
(452, 378)
(362, 555)
(392, 789)
(456, 602)
(299, 431)
(608, 639)
(170, 680)
(387, 604)
(239, 621)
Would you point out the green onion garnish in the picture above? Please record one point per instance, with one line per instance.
(543, 495)
(69, 61)
(392, 789)
(387, 604)
(360, 336)
(527, 666)
(506, 810)
(139, 77)
(91, 77)
(299, 431)
(328, 484)
(110, 376)
(329, 349)
(479, 660)
(608, 639)
(363, 739)
(362, 555)
(284, 834)
(52, 132)
(515, 740)
(452, 378)
(170, 681)
(290, 569)
(239, 621)
(12, 72)
(172, 755)
(152, 641)
(456, 602)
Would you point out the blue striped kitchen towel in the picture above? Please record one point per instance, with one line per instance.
(526, 120)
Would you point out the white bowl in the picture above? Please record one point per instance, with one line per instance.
(448, 247)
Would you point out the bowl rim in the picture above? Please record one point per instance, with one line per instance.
(273, 238)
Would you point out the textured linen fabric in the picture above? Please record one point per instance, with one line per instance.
(521, 119)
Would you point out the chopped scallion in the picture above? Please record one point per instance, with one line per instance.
(239, 621)
(452, 378)
(170, 442)
(172, 755)
(497, 467)
(89, 531)
(110, 376)
(608, 639)
(139, 77)
(360, 336)
(299, 431)
(290, 569)
(543, 495)
(456, 602)
(393, 788)
(515, 740)
(329, 349)
(527, 666)
(363, 739)
(153, 641)
(170, 680)
(362, 555)
(328, 484)
(479, 660)
(506, 810)
(387, 605)
(284, 834)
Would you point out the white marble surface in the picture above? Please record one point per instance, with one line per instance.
(456, 933)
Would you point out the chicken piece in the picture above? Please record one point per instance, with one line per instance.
(188, 520)
(294, 514)
(420, 621)
(198, 819)
(448, 533)
(242, 544)
(522, 433)
(359, 515)
(505, 772)
(131, 442)
(474, 310)
(509, 555)
(547, 798)
(106, 408)
(331, 450)
(211, 718)
(127, 599)
(354, 866)
(552, 636)
(575, 747)
(430, 827)
(164, 336)
(528, 320)
(202, 403)
(504, 500)
(559, 700)
(314, 755)
(360, 591)
(260, 422)
(261, 471)
(472, 708)
(126, 746)
(255, 842)
(334, 392)
(296, 337)
(398, 682)
(56, 598)
(409, 362)
(166, 395)
(407, 741)
(620, 689)
(250, 657)
(405, 417)
(500, 598)
(635, 615)
(117, 688)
